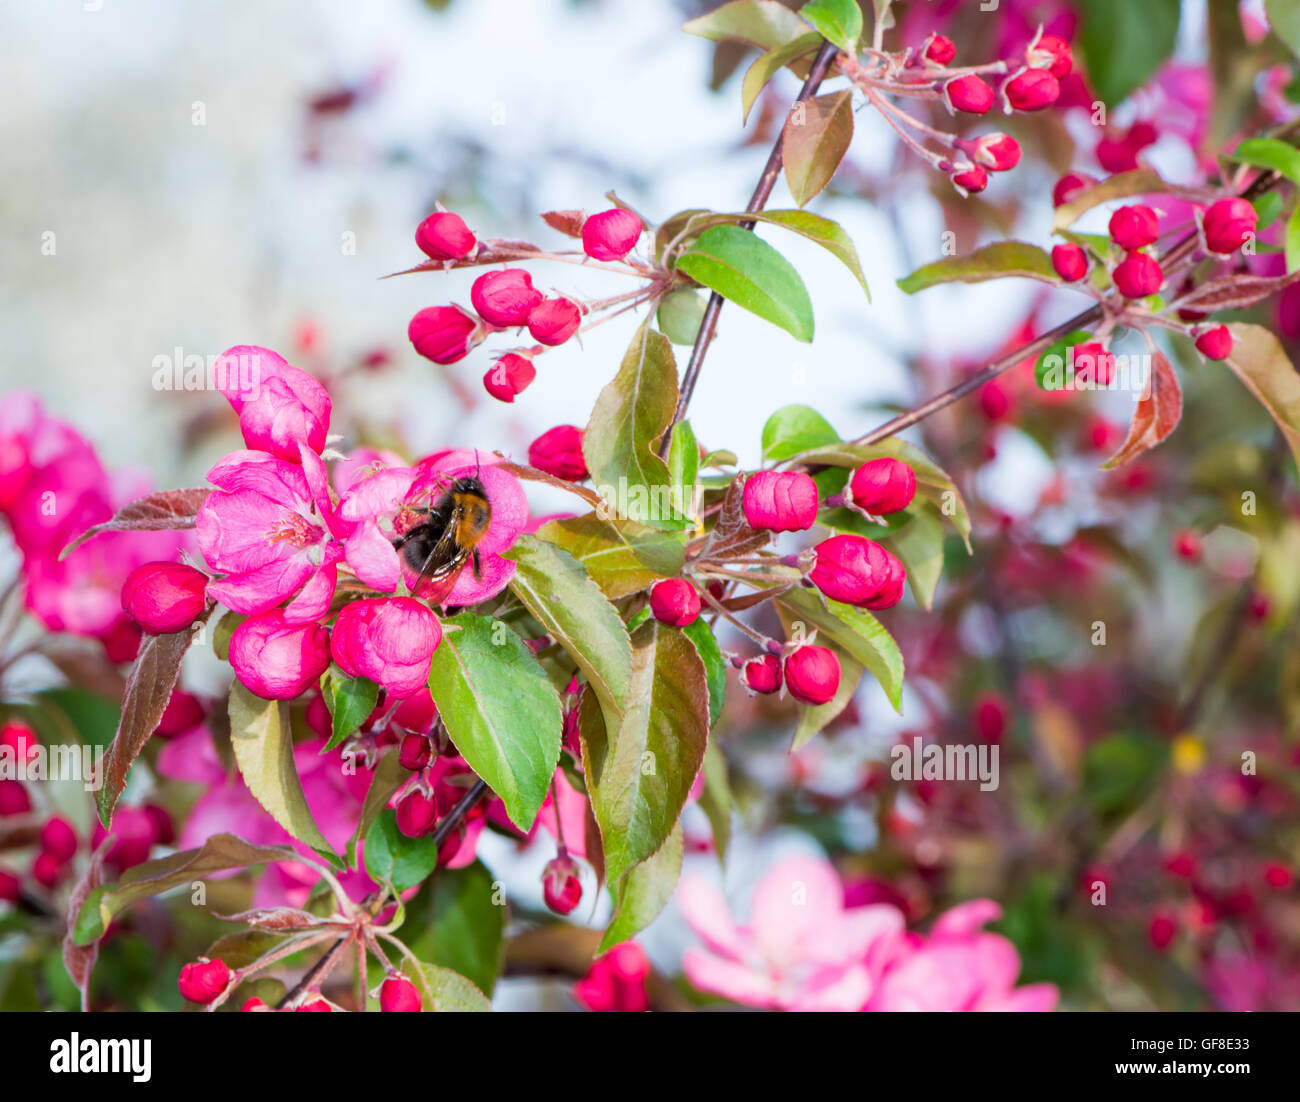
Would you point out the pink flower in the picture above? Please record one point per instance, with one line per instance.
(269, 528)
(616, 982)
(276, 659)
(280, 406)
(390, 640)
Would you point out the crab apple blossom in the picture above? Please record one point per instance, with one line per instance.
(762, 675)
(14, 798)
(1051, 52)
(990, 717)
(1162, 930)
(281, 407)
(184, 712)
(882, 486)
(1031, 90)
(611, 234)
(509, 376)
(276, 659)
(505, 298)
(1228, 224)
(1070, 186)
(389, 640)
(1120, 152)
(59, 839)
(444, 236)
(415, 752)
(973, 179)
(858, 571)
(315, 1006)
(445, 334)
(675, 602)
(969, 93)
(560, 884)
(1069, 261)
(1134, 226)
(398, 995)
(253, 1004)
(202, 981)
(554, 320)
(812, 674)
(780, 501)
(417, 814)
(11, 888)
(1216, 343)
(1187, 545)
(1093, 364)
(616, 982)
(939, 49)
(164, 597)
(996, 152)
(134, 833)
(558, 452)
(1138, 275)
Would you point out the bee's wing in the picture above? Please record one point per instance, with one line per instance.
(443, 564)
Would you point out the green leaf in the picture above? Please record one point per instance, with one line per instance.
(771, 63)
(839, 21)
(684, 463)
(389, 775)
(1261, 363)
(715, 666)
(919, 543)
(715, 800)
(1284, 18)
(350, 700)
(1268, 208)
(393, 858)
(640, 773)
(753, 275)
(1001, 260)
(680, 314)
(630, 415)
(830, 235)
(794, 429)
(856, 631)
(1123, 43)
(643, 891)
(816, 137)
(263, 747)
(1140, 181)
(443, 990)
(460, 923)
(1269, 153)
(814, 718)
(501, 711)
(557, 590)
(223, 631)
(621, 556)
(762, 23)
(1293, 240)
(1055, 356)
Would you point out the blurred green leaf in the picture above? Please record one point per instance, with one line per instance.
(1123, 43)
(839, 21)
(795, 429)
(1001, 260)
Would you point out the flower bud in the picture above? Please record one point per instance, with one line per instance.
(512, 374)
(674, 601)
(47, 870)
(183, 713)
(1162, 930)
(202, 981)
(812, 674)
(20, 740)
(1277, 876)
(415, 752)
(164, 831)
(11, 888)
(316, 1006)
(1069, 186)
(1050, 52)
(59, 839)
(882, 486)
(558, 451)
(971, 180)
(1138, 276)
(997, 152)
(1215, 344)
(1031, 90)
(134, 834)
(1070, 262)
(1134, 226)
(505, 298)
(444, 236)
(398, 995)
(990, 716)
(390, 640)
(611, 234)
(857, 571)
(780, 501)
(1228, 224)
(276, 660)
(444, 334)
(416, 814)
(560, 885)
(1187, 545)
(164, 597)
(969, 93)
(762, 675)
(1092, 363)
(939, 49)
(253, 1004)
(554, 320)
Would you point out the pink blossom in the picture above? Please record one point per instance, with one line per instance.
(280, 406)
(616, 982)
(276, 659)
(390, 640)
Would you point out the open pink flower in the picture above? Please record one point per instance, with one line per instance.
(390, 640)
(280, 406)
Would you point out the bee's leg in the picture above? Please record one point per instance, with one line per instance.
(478, 567)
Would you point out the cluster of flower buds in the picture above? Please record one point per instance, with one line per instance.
(1027, 82)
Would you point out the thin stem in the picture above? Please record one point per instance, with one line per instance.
(761, 640)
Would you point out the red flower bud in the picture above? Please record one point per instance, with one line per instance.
(558, 451)
(1215, 344)
(996, 401)
(1228, 224)
(1187, 545)
(398, 995)
(858, 571)
(316, 1006)
(939, 49)
(19, 739)
(1133, 226)
(183, 713)
(416, 814)
(444, 236)
(201, 981)
(1138, 275)
(812, 674)
(1182, 865)
(674, 601)
(762, 675)
(997, 152)
(969, 93)
(11, 888)
(990, 716)
(47, 870)
(253, 1004)
(971, 180)
(505, 298)
(560, 885)
(164, 597)
(1070, 262)
(510, 375)
(1093, 364)
(59, 839)
(164, 831)
(1278, 876)
(1069, 186)
(780, 501)
(554, 320)
(1161, 931)
(882, 486)
(611, 234)
(1032, 90)
(444, 334)
(14, 798)
(1051, 52)
(415, 752)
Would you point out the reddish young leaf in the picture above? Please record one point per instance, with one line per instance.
(816, 136)
(1157, 414)
(79, 960)
(1235, 292)
(568, 222)
(167, 509)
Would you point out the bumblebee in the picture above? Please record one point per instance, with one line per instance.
(445, 537)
